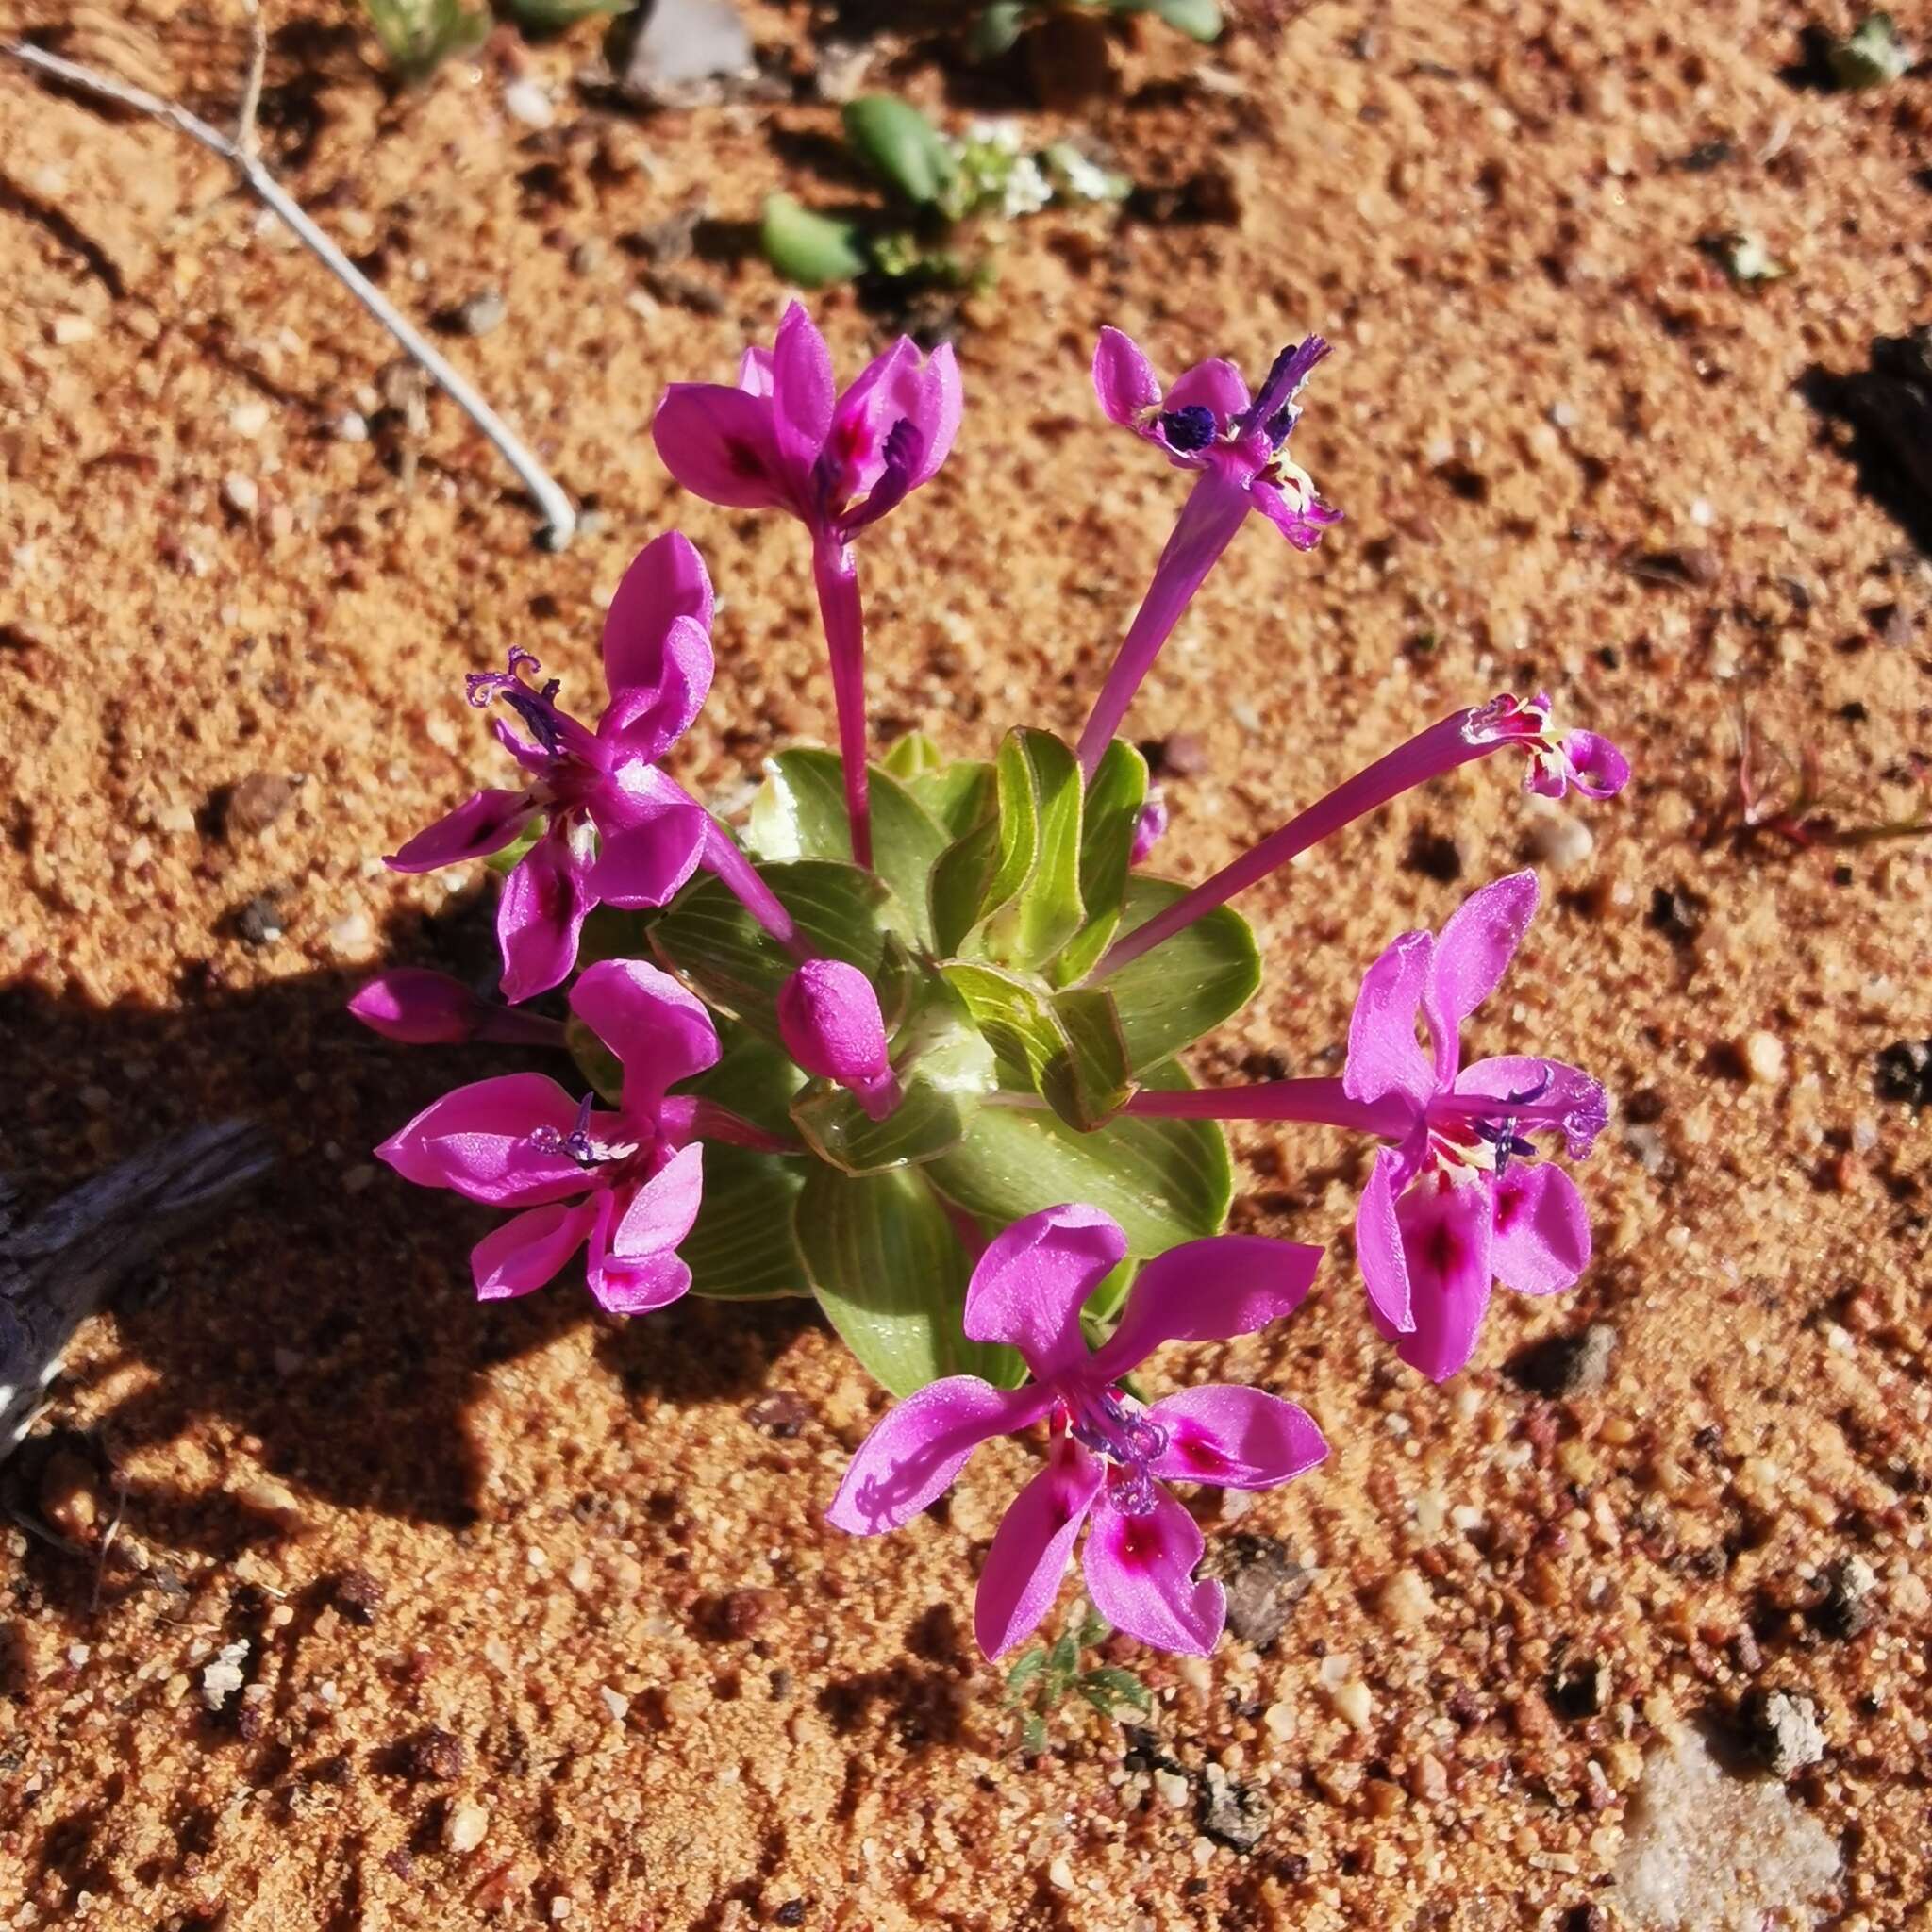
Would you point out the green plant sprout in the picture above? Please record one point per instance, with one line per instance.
(943, 191)
(998, 28)
(1044, 1677)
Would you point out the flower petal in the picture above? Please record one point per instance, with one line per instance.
(1567, 1098)
(1208, 1291)
(719, 445)
(1445, 1242)
(1541, 1241)
(830, 1019)
(479, 1141)
(660, 1033)
(632, 1268)
(652, 834)
(804, 392)
(1032, 1545)
(544, 903)
(1123, 379)
(526, 1251)
(1234, 1437)
(1385, 1060)
(920, 1445)
(483, 824)
(1597, 768)
(1030, 1283)
(419, 1008)
(936, 419)
(1378, 1244)
(658, 647)
(1304, 523)
(1140, 1573)
(1471, 954)
(1214, 384)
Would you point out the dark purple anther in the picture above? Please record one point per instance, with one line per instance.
(537, 708)
(1190, 428)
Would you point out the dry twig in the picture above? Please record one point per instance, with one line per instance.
(561, 518)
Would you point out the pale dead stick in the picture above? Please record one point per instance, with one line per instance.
(562, 520)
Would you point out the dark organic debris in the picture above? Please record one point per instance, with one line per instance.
(1848, 1608)
(1263, 1582)
(1232, 1814)
(1561, 1365)
(1905, 1072)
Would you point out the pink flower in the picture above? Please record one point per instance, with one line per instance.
(1237, 448)
(1109, 1455)
(785, 439)
(620, 832)
(627, 1182)
(425, 1008)
(1458, 1200)
(830, 1019)
(1560, 762)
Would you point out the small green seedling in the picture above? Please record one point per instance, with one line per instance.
(1873, 56)
(943, 190)
(998, 28)
(417, 36)
(1042, 1678)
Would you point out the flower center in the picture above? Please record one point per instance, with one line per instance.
(537, 708)
(1129, 1438)
(1190, 428)
(1475, 1143)
(589, 1151)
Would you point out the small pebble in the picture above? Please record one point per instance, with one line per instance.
(222, 1678)
(1263, 1582)
(349, 937)
(352, 427)
(482, 313)
(1559, 841)
(1782, 1729)
(1850, 1587)
(241, 493)
(465, 1827)
(249, 417)
(1562, 1365)
(1764, 1054)
(65, 331)
(433, 1756)
(526, 101)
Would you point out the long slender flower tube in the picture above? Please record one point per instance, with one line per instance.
(1206, 424)
(1456, 1199)
(419, 1008)
(1560, 762)
(618, 831)
(1109, 1455)
(627, 1182)
(786, 438)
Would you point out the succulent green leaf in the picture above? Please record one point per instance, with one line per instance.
(998, 28)
(811, 249)
(1032, 908)
(417, 36)
(735, 1250)
(1093, 1083)
(915, 755)
(959, 884)
(1164, 1181)
(1067, 1048)
(958, 796)
(1111, 817)
(754, 1077)
(1185, 985)
(800, 813)
(717, 948)
(550, 16)
(900, 145)
(1199, 19)
(891, 1274)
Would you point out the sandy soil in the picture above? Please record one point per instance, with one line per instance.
(559, 1584)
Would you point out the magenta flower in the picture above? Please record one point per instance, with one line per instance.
(627, 1182)
(620, 832)
(786, 438)
(830, 1019)
(1236, 446)
(1459, 1200)
(425, 1008)
(1109, 1455)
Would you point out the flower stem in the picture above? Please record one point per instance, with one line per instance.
(734, 869)
(710, 1122)
(511, 1026)
(1322, 1103)
(1427, 755)
(837, 579)
(1213, 512)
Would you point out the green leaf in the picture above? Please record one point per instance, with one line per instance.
(1164, 1181)
(891, 1274)
(1110, 1689)
(1199, 19)
(612, 933)
(1030, 1665)
(1111, 817)
(549, 16)
(959, 884)
(1041, 779)
(1094, 1629)
(958, 797)
(998, 28)
(1185, 985)
(1871, 57)
(800, 813)
(599, 1066)
(1100, 1308)
(1062, 1664)
(1067, 1048)
(754, 1077)
(900, 145)
(717, 948)
(1033, 1737)
(417, 36)
(915, 755)
(739, 1247)
(811, 249)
